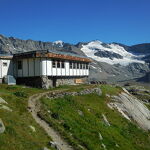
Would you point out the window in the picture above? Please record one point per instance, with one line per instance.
(83, 66)
(20, 65)
(70, 65)
(62, 64)
(58, 64)
(80, 66)
(5, 64)
(74, 65)
(87, 66)
(77, 65)
(54, 64)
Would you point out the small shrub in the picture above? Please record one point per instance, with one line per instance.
(11, 87)
(55, 115)
(21, 94)
(66, 126)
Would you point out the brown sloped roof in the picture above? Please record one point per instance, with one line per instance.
(52, 54)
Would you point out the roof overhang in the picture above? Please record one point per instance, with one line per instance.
(53, 55)
(6, 57)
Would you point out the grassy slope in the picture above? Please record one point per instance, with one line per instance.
(18, 135)
(84, 130)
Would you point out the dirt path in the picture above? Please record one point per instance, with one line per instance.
(34, 108)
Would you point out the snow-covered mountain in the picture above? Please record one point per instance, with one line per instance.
(59, 43)
(110, 53)
(111, 62)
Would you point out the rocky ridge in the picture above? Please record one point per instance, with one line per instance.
(136, 57)
(131, 108)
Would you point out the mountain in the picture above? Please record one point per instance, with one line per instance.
(145, 78)
(111, 61)
(110, 53)
(115, 62)
(141, 48)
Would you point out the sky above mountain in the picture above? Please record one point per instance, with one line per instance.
(123, 21)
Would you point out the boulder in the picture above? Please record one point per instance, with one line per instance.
(32, 128)
(5, 107)
(45, 148)
(54, 145)
(132, 109)
(2, 127)
(2, 101)
(105, 120)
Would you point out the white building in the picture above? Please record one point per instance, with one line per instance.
(6, 66)
(49, 68)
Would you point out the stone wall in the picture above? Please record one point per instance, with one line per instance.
(69, 80)
(54, 94)
(64, 82)
(46, 82)
(1, 80)
(30, 81)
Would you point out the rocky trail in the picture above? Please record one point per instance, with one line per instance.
(128, 105)
(33, 106)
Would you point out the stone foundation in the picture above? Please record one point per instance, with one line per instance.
(1, 80)
(46, 82)
(30, 81)
(64, 82)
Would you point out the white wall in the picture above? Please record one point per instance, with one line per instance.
(6, 67)
(67, 72)
(30, 67)
(0, 68)
(36, 67)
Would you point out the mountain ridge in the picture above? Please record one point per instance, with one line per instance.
(136, 57)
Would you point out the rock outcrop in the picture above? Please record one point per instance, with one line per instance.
(2, 127)
(132, 109)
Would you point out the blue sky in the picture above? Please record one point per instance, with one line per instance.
(124, 21)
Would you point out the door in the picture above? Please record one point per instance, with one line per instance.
(0, 68)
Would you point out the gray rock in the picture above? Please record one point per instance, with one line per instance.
(32, 128)
(132, 109)
(2, 101)
(54, 145)
(5, 107)
(45, 148)
(2, 127)
(98, 91)
(100, 136)
(108, 95)
(105, 120)
(104, 146)
(80, 113)
(107, 54)
(86, 91)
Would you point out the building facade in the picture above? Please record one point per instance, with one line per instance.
(49, 68)
(6, 66)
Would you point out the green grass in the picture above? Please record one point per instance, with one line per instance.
(64, 117)
(84, 130)
(18, 135)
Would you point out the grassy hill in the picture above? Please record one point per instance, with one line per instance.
(19, 134)
(79, 119)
